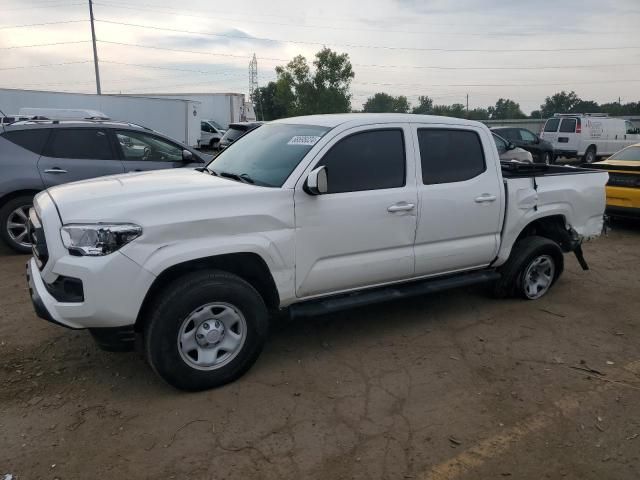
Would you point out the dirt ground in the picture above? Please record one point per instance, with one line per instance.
(453, 386)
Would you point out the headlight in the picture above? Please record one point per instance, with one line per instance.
(98, 239)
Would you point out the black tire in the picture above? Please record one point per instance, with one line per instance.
(523, 254)
(23, 201)
(173, 306)
(590, 155)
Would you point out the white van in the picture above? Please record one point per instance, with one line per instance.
(588, 136)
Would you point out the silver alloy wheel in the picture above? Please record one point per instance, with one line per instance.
(591, 156)
(539, 276)
(17, 226)
(211, 336)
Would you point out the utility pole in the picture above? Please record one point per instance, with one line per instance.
(95, 50)
(467, 105)
(253, 84)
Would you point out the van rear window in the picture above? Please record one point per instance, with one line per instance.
(568, 125)
(552, 125)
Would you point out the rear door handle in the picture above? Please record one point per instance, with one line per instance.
(485, 198)
(401, 207)
(55, 170)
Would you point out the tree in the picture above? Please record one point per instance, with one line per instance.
(562, 102)
(478, 114)
(456, 110)
(385, 103)
(505, 108)
(301, 90)
(425, 105)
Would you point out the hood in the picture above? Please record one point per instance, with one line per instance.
(122, 198)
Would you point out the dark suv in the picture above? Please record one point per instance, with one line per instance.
(541, 150)
(235, 131)
(35, 155)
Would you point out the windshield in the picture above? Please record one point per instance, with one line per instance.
(628, 154)
(268, 154)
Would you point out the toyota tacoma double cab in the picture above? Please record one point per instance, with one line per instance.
(304, 215)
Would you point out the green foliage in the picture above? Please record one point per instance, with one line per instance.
(457, 110)
(385, 103)
(505, 108)
(424, 107)
(562, 102)
(478, 114)
(300, 91)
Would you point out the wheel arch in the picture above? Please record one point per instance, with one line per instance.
(249, 266)
(553, 227)
(18, 193)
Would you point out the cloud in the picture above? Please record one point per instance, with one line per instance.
(227, 38)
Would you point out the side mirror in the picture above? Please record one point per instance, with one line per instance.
(187, 156)
(316, 183)
(510, 146)
(537, 139)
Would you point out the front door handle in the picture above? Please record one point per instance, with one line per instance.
(485, 198)
(55, 170)
(401, 207)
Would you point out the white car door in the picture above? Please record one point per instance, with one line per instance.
(460, 198)
(361, 232)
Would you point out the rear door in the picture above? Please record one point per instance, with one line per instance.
(550, 131)
(142, 151)
(73, 154)
(459, 199)
(568, 139)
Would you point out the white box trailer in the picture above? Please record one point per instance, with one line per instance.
(176, 118)
(222, 108)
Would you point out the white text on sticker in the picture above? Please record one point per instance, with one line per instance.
(303, 140)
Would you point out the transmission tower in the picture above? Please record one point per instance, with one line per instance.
(253, 82)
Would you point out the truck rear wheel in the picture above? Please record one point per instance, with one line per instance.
(206, 329)
(533, 267)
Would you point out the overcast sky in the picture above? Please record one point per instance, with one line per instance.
(393, 44)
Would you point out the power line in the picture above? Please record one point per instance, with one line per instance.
(383, 47)
(19, 67)
(171, 11)
(36, 7)
(44, 44)
(428, 67)
(6, 27)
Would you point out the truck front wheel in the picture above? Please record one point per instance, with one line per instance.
(533, 267)
(206, 329)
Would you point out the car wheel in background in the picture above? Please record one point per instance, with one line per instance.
(205, 329)
(547, 158)
(14, 216)
(590, 155)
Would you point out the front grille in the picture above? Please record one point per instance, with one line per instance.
(628, 180)
(38, 240)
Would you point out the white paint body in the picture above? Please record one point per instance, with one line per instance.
(313, 245)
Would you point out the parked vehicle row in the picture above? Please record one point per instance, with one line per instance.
(35, 155)
(541, 150)
(309, 215)
(588, 136)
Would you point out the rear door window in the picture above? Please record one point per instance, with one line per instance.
(568, 125)
(450, 155)
(527, 136)
(552, 125)
(31, 139)
(83, 143)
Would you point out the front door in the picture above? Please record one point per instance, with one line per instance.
(459, 195)
(361, 232)
(143, 151)
(73, 154)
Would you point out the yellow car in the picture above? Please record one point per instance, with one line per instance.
(623, 189)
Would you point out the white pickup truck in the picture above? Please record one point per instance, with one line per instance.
(308, 215)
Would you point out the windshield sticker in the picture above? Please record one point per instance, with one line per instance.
(309, 140)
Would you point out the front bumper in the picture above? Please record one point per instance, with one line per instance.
(36, 287)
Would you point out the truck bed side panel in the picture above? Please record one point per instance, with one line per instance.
(579, 198)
